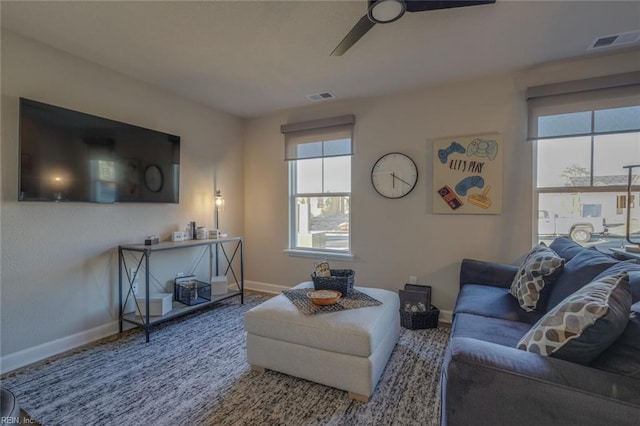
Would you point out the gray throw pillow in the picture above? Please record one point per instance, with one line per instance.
(538, 270)
(584, 324)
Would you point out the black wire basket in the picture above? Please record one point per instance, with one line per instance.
(420, 320)
(340, 280)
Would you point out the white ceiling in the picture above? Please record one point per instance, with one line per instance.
(250, 58)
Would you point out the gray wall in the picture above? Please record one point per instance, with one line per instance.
(59, 260)
(393, 239)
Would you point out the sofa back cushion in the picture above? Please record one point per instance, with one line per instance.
(623, 356)
(584, 324)
(631, 267)
(539, 269)
(565, 248)
(578, 272)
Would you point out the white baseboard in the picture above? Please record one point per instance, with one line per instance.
(264, 287)
(446, 316)
(45, 350)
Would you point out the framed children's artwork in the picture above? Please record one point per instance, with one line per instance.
(467, 175)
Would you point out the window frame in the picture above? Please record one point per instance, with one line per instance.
(295, 250)
(296, 136)
(537, 191)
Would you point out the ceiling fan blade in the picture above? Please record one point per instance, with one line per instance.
(424, 5)
(358, 30)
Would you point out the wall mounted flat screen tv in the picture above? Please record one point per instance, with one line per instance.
(67, 155)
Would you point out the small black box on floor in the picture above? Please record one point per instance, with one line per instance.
(191, 291)
(420, 320)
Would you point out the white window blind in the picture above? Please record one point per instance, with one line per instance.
(330, 137)
(596, 106)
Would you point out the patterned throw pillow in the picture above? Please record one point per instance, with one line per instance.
(585, 323)
(538, 270)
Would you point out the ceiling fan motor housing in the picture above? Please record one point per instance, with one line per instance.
(385, 11)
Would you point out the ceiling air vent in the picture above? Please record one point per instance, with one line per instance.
(616, 40)
(321, 96)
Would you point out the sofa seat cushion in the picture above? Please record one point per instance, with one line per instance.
(578, 272)
(537, 272)
(585, 323)
(623, 357)
(494, 330)
(494, 302)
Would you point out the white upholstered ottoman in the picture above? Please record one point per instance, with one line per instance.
(347, 350)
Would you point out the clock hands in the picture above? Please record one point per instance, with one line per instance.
(400, 179)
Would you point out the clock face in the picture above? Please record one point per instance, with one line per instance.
(394, 175)
(153, 178)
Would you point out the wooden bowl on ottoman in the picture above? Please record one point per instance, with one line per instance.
(324, 297)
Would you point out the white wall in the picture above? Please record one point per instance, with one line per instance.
(393, 239)
(59, 260)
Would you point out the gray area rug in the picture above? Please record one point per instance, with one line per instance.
(194, 372)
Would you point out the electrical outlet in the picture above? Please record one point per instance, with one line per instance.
(134, 288)
(180, 275)
(413, 279)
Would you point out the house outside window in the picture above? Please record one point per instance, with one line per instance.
(585, 133)
(319, 155)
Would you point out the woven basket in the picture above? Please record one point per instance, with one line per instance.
(340, 280)
(420, 320)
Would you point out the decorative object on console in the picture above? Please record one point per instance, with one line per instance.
(202, 233)
(151, 239)
(219, 285)
(190, 291)
(159, 304)
(178, 236)
(467, 175)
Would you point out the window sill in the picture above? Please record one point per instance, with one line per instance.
(320, 254)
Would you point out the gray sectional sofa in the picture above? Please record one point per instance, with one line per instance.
(487, 380)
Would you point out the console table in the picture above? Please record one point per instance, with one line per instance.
(138, 256)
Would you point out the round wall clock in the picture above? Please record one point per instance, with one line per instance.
(153, 178)
(394, 175)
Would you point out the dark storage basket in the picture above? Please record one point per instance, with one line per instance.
(192, 292)
(420, 320)
(340, 280)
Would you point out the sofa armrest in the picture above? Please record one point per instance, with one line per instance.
(487, 273)
(502, 385)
